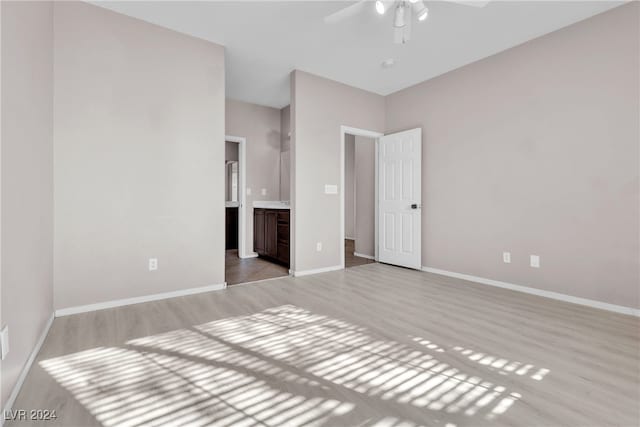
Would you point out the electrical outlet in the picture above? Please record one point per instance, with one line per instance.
(4, 341)
(506, 257)
(153, 264)
(263, 191)
(319, 246)
(534, 261)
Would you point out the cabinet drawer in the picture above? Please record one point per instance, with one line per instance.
(283, 217)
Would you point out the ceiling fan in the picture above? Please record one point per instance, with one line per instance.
(402, 10)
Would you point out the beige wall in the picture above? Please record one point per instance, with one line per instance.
(139, 157)
(365, 181)
(319, 107)
(27, 180)
(285, 128)
(292, 171)
(231, 151)
(359, 177)
(535, 151)
(285, 155)
(349, 186)
(261, 127)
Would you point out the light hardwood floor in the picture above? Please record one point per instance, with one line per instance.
(373, 345)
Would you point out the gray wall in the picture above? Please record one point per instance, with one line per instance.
(27, 180)
(285, 154)
(231, 151)
(139, 148)
(535, 151)
(365, 181)
(261, 127)
(319, 107)
(350, 186)
(285, 127)
(359, 177)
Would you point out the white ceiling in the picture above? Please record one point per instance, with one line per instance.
(265, 40)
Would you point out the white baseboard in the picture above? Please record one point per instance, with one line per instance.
(548, 294)
(250, 255)
(317, 271)
(25, 369)
(364, 256)
(137, 300)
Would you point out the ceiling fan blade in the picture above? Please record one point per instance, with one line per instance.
(474, 3)
(345, 13)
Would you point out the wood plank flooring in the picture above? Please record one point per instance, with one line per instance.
(238, 270)
(372, 345)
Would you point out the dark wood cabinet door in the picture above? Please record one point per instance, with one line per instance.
(283, 253)
(259, 231)
(283, 237)
(271, 230)
(271, 234)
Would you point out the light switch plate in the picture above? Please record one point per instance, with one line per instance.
(330, 189)
(4, 341)
(263, 191)
(506, 257)
(535, 261)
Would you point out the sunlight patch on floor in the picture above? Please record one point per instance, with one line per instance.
(504, 366)
(283, 365)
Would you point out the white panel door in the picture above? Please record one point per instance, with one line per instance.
(400, 198)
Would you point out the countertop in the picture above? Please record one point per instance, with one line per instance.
(265, 204)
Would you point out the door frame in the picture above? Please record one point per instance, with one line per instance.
(344, 130)
(242, 192)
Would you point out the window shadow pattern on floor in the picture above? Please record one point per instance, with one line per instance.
(285, 366)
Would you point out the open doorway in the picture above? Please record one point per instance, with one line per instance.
(242, 226)
(359, 197)
(234, 188)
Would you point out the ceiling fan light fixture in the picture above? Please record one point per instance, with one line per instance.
(422, 12)
(380, 7)
(398, 20)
